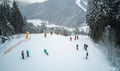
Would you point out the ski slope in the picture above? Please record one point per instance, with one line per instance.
(63, 55)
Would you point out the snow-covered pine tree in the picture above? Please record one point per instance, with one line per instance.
(100, 15)
(17, 19)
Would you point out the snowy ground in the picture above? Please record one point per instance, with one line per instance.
(9, 43)
(63, 55)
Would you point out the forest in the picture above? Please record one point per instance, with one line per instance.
(11, 20)
(103, 18)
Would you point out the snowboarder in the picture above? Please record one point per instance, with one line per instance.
(22, 54)
(45, 51)
(28, 53)
(77, 48)
(86, 55)
(85, 46)
(70, 38)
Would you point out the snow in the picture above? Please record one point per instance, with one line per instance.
(35, 22)
(63, 55)
(38, 22)
(11, 42)
(33, 1)
(84, 28)
(85, 3)
(78, 3)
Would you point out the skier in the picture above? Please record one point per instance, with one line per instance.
(51, 33)
(27, 35)
(77, 48)
(45, 51)
(22, 53)
(70, 38)
(28, 53)
(85, 46)
(86, 55)
(77, 37)
(65, 34)
(45, 34)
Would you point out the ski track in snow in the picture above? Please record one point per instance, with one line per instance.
(78, 3)
(63, 55)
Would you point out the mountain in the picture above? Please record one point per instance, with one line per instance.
(60, 12)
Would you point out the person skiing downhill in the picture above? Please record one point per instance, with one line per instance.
(86, 55)
(22, 54)
(77, 48)
(70, 38)
(85, 46)
(65, 34)
(45, 34)
(75, 37)
(51, 33)
(45, 51)
(28, 53)
(27, 35)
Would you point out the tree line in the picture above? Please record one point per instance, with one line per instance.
(11, 19)
(103, 18)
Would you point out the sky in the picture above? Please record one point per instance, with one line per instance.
(33, 1)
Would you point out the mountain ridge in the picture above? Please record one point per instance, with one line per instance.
(60, 12)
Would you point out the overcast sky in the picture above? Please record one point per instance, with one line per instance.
(32, 1)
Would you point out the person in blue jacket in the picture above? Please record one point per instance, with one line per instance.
(28, 53)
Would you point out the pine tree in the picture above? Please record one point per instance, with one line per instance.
(11, 20)
(17, 19)
(103, 17)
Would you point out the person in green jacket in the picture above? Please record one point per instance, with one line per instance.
(28, 53)
(45, 51)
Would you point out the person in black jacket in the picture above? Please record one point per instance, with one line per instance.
(85, 46)
(77, 48)
(22, 54)
(87, 55)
